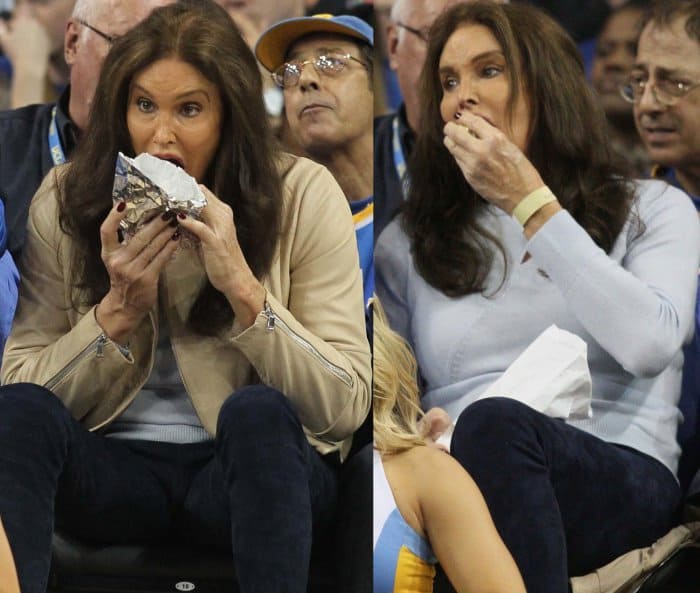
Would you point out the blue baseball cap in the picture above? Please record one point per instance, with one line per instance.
(274, 43)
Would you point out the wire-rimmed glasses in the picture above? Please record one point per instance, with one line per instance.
(665, 91)
(109, 38)
(326, 64)
(420, 33)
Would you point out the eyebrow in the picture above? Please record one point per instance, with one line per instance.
(178, 97)
(477, 58)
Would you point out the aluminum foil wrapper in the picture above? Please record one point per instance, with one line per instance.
(150, 186)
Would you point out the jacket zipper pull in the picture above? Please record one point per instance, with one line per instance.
(270, 317)
(100, 350)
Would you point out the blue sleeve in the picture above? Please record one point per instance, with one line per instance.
(9, 281)
(641, 310)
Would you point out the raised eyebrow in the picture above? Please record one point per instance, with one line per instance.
(478, 58)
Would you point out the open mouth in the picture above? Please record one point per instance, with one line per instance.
(178, 162)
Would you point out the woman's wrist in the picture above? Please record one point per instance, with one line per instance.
(116, 323)
(540, 217)
(247, 299)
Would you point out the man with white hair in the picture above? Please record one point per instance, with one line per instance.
(35, 138)
(394, 134)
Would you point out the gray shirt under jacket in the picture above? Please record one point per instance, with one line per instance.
(634, 308)
(162, 411)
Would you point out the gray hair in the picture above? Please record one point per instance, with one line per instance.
(86, 10)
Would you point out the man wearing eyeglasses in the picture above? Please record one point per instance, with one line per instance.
(324, 66)
(33, 139)
(664, 88)
(394, 134)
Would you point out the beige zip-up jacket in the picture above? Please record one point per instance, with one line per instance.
(309, 342)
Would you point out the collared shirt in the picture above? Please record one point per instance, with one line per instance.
(25, 159)
(388, 191)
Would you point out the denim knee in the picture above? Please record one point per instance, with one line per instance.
(25, 407)
(256, 407)
(495, 415)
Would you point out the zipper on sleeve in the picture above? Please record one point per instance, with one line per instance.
(97, 346)
(273, 321)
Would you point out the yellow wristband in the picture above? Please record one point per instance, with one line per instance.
(531, 203)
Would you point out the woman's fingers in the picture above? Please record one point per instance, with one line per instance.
(143, 237)
(110, 228)
(166, 251)
(155, 245)
(198, 228)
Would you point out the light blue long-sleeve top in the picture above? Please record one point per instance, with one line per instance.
(634, 308)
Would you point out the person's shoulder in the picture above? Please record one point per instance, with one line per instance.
(27, 115)
(656, 195)
(424, 461)
(44, 205)
(383, 123)
(311, 193)
(432, 471)
(295, 170)
(393, 236)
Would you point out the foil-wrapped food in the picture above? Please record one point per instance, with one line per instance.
(151, 186)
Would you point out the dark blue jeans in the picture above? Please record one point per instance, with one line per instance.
(258, 489)
(564, 501)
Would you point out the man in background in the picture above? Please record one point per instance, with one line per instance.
(324, 66)
(394, 134)
(664, 87)
(33, 139)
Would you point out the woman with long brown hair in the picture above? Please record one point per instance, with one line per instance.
(516, 220)
(205, 392)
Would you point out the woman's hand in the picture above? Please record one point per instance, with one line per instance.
(223, 259)
(134, 269)
(494, 166)
(433, 425)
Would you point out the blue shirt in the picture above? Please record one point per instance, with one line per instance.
(363, 217)
(669, 175)
(9, 279)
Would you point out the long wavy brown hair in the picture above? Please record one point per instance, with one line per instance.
(567, 143)
(243, 172)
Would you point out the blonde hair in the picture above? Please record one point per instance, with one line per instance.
(395, 389)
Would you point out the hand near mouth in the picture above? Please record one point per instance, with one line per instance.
(495, 167)
(223, 258)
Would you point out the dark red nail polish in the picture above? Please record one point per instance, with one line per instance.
(181, 216)
(176, 235)
(121, 206)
